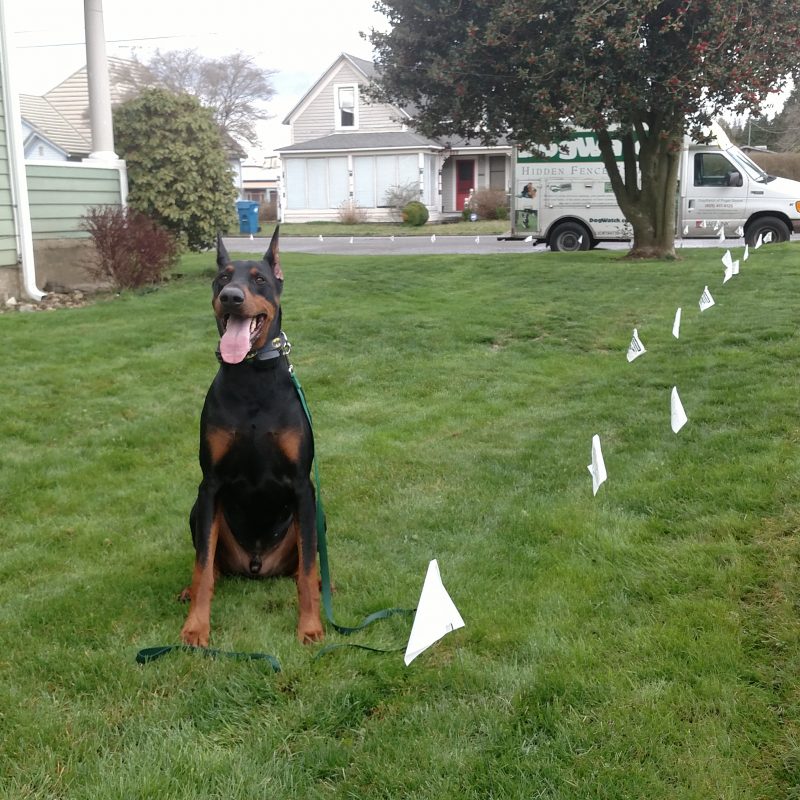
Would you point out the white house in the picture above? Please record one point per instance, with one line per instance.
(345, 149)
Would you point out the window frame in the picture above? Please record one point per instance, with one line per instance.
(337, 108)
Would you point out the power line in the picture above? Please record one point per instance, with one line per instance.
(108, 41)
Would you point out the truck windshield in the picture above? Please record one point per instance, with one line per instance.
(749, 166)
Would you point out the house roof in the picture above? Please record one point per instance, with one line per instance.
(348, 142)
(48, 122)
(71, 96)
(366, 68)
(62, 114)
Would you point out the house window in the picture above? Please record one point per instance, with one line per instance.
(375, 176)
(346, 98)
(318, 183)
(497, 172)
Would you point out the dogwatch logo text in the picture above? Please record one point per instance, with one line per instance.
(582, 146)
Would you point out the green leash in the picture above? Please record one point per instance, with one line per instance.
(149, 654)
(152, 653)
(322, 549)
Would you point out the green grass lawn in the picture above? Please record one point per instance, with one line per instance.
(642, 643)
(483, 227)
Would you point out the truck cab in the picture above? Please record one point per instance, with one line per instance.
(720, 186)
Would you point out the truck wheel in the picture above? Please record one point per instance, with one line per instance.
(569, 237)
(763, 225)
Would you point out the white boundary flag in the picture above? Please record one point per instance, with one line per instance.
(678, 415)
(706, 300)
(635, 348)
(597, 469)
(436, 615)
(676, 325)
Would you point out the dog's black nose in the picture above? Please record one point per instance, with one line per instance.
(231, 296)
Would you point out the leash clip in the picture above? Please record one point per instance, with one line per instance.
(282, 344)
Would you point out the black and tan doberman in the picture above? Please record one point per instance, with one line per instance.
(255, 509)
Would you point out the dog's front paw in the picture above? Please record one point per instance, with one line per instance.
(185, 596)
(195, 634)
(310, 631)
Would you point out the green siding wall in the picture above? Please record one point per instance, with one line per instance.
(60, 195)
(8, 239)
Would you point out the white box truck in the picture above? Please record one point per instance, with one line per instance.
(562, 195)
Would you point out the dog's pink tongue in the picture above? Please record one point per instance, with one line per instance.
(235, 342)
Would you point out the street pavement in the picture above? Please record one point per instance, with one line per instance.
(422, 245)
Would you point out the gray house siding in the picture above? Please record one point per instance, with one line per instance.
(318, 118)
(60, 195)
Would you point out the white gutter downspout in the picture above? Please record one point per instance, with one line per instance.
(16, 166)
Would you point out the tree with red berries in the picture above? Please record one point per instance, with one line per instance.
(642, 71)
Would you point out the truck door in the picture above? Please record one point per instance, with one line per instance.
(715, 196)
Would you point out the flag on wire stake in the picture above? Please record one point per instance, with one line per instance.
(528, 239)
(391, 238)
(746, 252)
(740, 231)
(351, 240)
(727, 260)
(597, 469)
(758, 242)
(320, 238)
(677, 414)
(477, 240)
(735, 267)
(676, 325)
(433, 237)
(767, 237)
(436, 615)
(635, 348)
(706, 300)
(722, 233)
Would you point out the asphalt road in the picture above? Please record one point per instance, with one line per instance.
(422, 245)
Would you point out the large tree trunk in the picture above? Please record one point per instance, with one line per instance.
(646, 190)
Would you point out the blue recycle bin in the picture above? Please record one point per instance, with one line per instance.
(248, 216)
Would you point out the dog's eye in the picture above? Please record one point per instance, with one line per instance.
(260, 279)
(224, 278)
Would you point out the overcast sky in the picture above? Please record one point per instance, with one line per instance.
(299, 39)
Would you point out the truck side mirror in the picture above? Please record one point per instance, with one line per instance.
(735, 179)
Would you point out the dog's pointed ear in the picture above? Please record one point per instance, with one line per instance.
(223, 259)
(272, 256)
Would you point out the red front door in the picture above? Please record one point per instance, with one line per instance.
(465, 181)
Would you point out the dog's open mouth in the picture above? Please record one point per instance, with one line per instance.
(239, 336)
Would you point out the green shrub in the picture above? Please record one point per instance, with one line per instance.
(415, 213)
(177, 165)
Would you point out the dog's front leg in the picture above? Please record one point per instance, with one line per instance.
(197, 627)
(309, 626)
